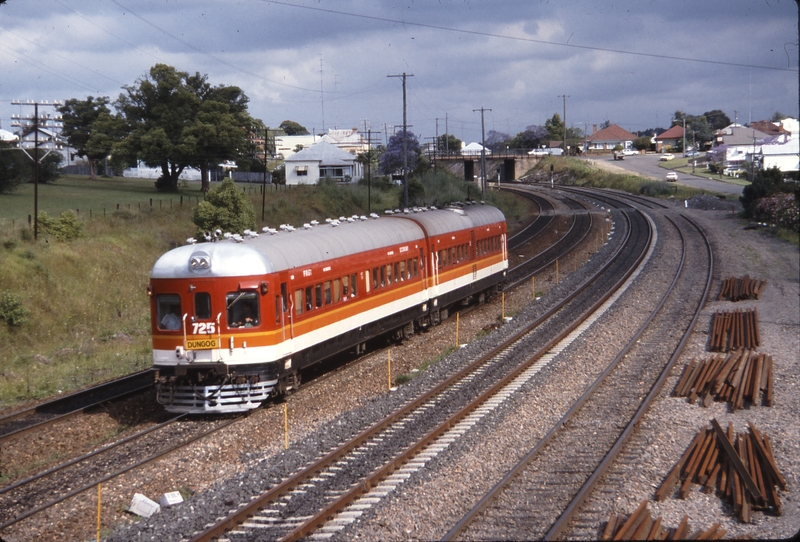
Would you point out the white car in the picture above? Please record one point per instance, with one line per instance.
(672, 176)
(540, 152)
(630, 152)
(666, 157)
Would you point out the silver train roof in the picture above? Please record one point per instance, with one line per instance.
(289, 250)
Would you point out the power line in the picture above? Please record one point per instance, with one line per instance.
(526, 40)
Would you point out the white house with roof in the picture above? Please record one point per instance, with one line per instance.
(738, 142)
(49, 141)
(286, 146)
(319, 161)
(8, 137)
(474, 149)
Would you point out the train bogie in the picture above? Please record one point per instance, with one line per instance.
(234, 321)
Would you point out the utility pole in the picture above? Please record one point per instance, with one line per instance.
(565, 96)
(405, 138)
(36, 158)
(483, 153)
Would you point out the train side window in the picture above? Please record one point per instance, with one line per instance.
(242, 309)
(388, 274)
(416, 268)
(345, 286)
(337, 290)
(202, 305)
(309, 298)
(168, 309)
(298, 301)
(397, 274)
(383, 275)
(374, 278)
(402, 274)
(353, 281)
(318, 295)
(327, 292)
(366, 281)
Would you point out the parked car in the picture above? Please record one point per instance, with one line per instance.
(630, 152)
(666, 157)
(691, 153)
(539, 152)
(672, 176)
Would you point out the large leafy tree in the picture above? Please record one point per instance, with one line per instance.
(448, 143)
(533, 137)
(175, 121)
(697, 127)
(392, 159)
(90, 128)
(497, 140)
(555, 127)
(291, 128)
(717, 119)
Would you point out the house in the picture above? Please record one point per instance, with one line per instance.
(48, 141)
(347, 140)
(608, 138)
(286, 146)
(784, 155)
(319, 161)
(671, 138)
(737, 142)
(474, 149)
(8, 137)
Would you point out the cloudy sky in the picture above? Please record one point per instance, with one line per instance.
(327, 64)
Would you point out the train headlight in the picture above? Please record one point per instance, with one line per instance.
(199, 262)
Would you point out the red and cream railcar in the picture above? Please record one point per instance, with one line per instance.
(233, 321)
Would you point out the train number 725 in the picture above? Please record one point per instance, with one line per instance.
(200, 328)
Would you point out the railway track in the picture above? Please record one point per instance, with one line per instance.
(381, 456)
(541, 497)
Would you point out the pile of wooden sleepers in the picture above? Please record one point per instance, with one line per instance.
(734, 329)
(641, 526)
(740, 467)
(737, 378)
(741, 288)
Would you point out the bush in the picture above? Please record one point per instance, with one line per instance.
(12, 309)
(66, 228)
(225, 207)
(781, 210)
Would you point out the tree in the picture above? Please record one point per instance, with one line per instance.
(175, 121)
(497, 140)
(392, 159)
(777, 116)
(605, 124)
(90, 128)
(766, 183)
(14, 168)
(291, 128)
(534, 136)
(555, 128)
(448, 143)
(225, 207)
(717, 119)
(643, 143)
(48, 166)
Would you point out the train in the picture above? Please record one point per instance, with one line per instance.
(236, 318)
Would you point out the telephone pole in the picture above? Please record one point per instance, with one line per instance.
(405, 138)
(483, 153)
(36, 157)
(565, 96)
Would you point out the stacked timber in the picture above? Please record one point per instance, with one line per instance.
(735, 329)
(740, 289)
(641, 526)
(738, 378)
(739, 467)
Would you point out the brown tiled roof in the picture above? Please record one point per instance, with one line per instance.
(769, 128)
(673, 133)
(612, 133)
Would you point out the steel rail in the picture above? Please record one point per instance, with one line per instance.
(561, 523)
(46, 409)
(249, 509)
(113, 475)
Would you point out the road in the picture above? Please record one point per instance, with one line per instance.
(646, 165)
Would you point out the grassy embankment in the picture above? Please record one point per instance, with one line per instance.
(87, 311)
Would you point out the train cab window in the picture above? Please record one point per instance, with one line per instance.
(202, 305)
(168, 309)
(242, 309)
(298, 301)
(327, 292)
(337, 290)
(354, 285)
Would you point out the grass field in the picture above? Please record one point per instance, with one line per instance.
(84, 302)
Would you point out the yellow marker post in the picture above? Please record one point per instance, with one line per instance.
(389, 368)
(457, 315)
(285, 426)
(99, 508)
